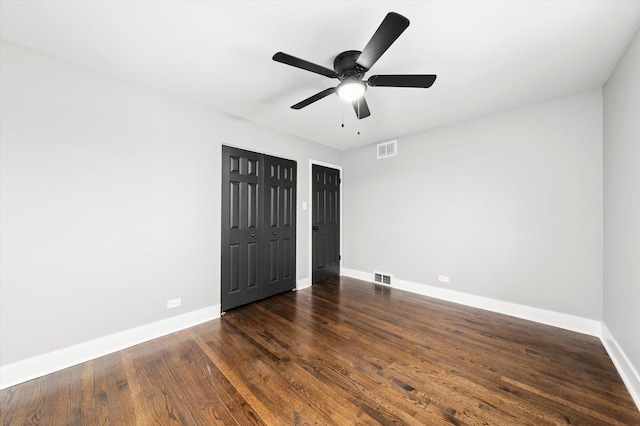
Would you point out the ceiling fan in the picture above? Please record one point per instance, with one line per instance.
(350, 67)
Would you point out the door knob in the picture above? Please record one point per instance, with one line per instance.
(274, 232)
(315, 228)
(253, 235)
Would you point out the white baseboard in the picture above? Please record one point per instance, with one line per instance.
(629, 374)
(359, 275)
(543, 316)
(28, 369)
(303, 283)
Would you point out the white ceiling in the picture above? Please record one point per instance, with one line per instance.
(488, 55)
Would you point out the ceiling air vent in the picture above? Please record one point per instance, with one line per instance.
(381, 278)
(387, 149)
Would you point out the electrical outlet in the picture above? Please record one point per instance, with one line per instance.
(443, 278)
(174, 303)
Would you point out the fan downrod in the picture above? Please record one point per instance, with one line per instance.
(345, 65)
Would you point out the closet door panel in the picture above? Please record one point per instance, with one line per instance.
(242, 201)
(280, 203)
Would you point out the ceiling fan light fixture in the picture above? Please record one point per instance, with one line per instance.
(350, 90)
(350, 66)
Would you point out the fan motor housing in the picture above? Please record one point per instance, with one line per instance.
(346, 67)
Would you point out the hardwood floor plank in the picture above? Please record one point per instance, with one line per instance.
(20, 403)
(138, 399)
(341, 352)
(58, 396)
(312, 391)
(297, 343)
(77, 385)
(183, 385)
(245, 390)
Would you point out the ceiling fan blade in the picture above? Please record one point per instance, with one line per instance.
(305, 65)
(314, 98)
(424, 81)
(389, 30)
(361, 108)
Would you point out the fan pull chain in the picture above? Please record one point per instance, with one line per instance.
(358, 116)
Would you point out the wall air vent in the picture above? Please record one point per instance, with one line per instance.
(387, 149)
(381, 278)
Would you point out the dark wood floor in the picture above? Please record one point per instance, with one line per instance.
(342, 352)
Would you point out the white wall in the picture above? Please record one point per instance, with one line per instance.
(509, 206)
(110, 202)
(622, 206)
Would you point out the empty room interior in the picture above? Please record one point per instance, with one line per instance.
(312, 212)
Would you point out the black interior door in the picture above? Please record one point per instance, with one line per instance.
(242, 198)
(258, 226)
(325, 222)
(280, 225)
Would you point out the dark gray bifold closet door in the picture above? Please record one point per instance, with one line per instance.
(325, 222)
(279, 225)
(258, 226)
